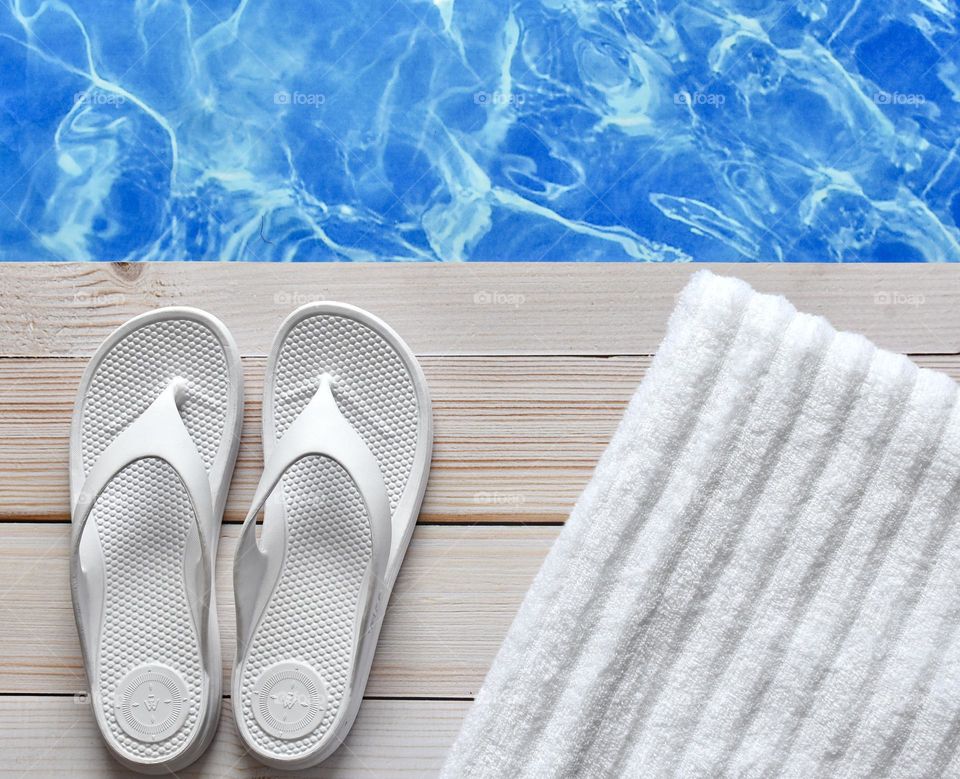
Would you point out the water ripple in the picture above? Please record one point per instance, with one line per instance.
(649, 130)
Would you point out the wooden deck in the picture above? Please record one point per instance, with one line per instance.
(530, 367)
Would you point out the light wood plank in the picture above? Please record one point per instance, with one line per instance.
(491, 308)
(458, 590)
(516, 439)
(44, 737)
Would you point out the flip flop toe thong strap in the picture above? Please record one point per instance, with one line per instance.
(320, 429)
(157, 433)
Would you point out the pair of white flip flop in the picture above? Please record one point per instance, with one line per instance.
(347, 435)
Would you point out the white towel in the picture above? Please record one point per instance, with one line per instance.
(762, 577)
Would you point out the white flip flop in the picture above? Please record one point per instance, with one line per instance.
(347, 437)
(153, 442)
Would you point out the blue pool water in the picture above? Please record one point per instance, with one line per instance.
(480, 130)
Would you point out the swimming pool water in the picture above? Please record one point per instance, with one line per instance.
(480, 130)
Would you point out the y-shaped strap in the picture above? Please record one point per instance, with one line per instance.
(157, 433)
(320, 429)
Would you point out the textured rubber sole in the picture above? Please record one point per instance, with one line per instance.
(156, 698)
(293, 697)
(310, 615)
(142, 521)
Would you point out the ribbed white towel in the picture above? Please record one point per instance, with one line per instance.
(761, 579)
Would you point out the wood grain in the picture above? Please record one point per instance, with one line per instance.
(57, 736)
(458, 590)
(498, 308)
(516, 438)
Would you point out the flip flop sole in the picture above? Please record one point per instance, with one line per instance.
(155, 696)
(299, 686)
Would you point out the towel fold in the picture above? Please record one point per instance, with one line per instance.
(762, 577)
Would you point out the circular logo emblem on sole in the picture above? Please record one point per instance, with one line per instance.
(289, 700)
(151, 703)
